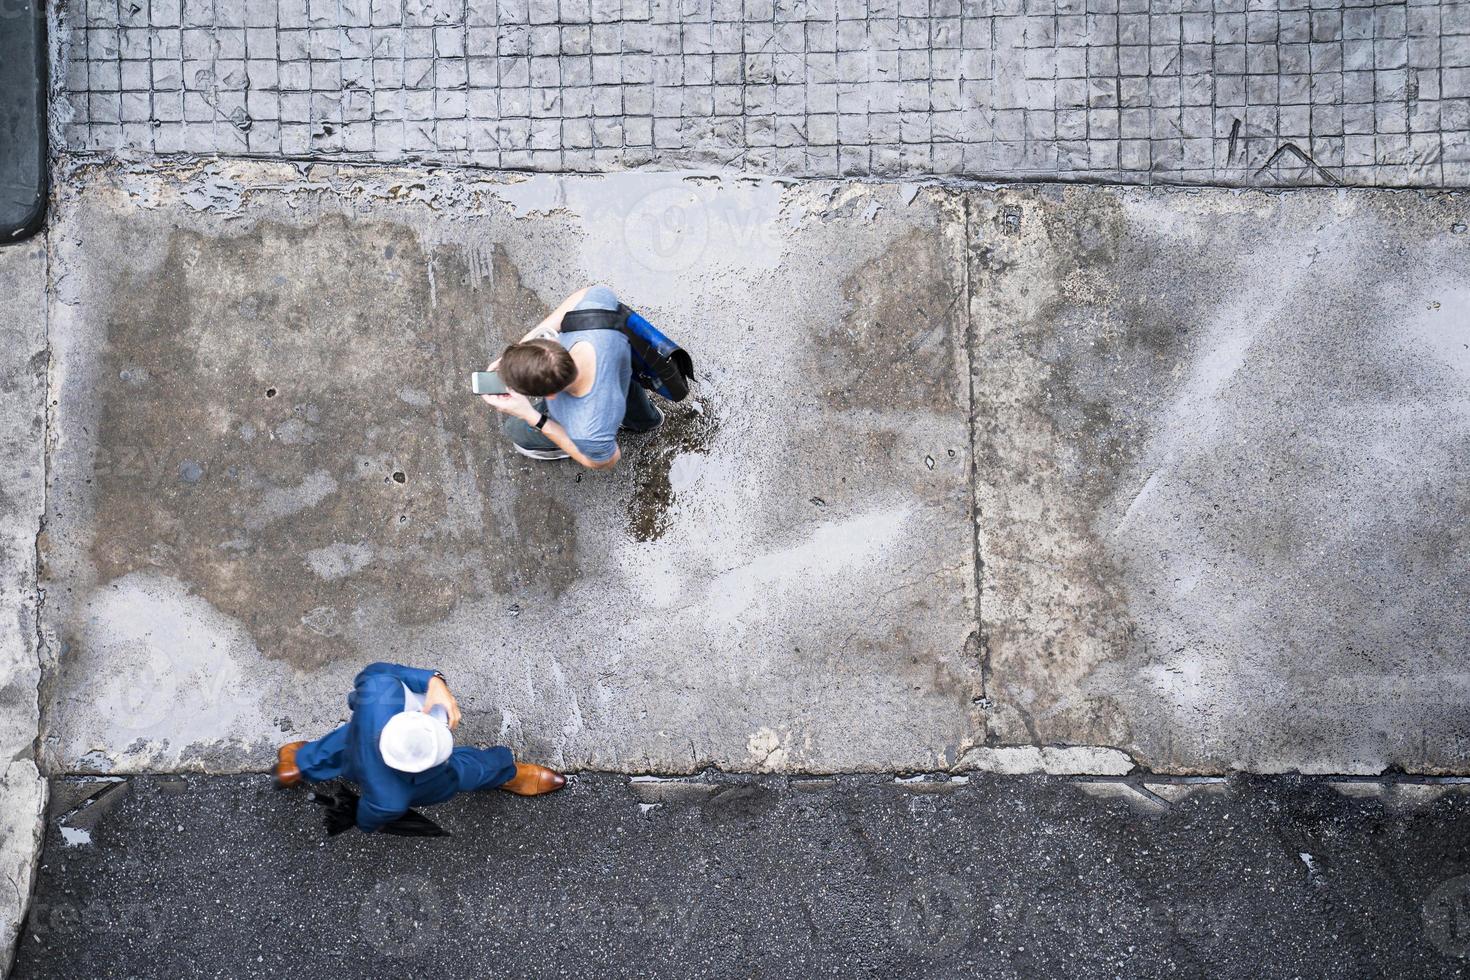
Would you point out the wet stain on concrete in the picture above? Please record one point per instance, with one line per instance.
(1107, 341)
(1191, 519)
(688, 431)
(895, 348)
(250, 433)
(1067, 382)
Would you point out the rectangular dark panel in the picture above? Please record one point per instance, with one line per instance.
(22, 118)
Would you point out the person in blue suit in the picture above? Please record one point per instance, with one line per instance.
(398, 748)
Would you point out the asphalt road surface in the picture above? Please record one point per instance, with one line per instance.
(860, 876)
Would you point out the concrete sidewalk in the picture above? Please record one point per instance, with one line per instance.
(23, 285)
(725, 877)
(1204, 454)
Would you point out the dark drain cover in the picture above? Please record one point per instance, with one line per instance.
(22, 118)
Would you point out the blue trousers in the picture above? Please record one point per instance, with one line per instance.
(468, 769)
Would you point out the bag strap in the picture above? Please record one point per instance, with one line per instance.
(596, 320)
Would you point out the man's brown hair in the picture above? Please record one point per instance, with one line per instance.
(537, 368)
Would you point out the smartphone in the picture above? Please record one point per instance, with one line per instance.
(487, 383)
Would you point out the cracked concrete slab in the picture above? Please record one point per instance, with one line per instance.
(22, 485)
(267, 470)
(1222, 452)
(1219, 456)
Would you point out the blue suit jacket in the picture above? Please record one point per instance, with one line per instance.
(352, 752)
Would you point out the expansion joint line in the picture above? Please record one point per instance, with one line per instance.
(47, 423)
(982, 181)
(982, 665)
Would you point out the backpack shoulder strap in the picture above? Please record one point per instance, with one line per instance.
(595, 320)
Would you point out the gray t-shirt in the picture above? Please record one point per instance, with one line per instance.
(592, 420)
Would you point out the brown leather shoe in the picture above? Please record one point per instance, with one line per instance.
(533, 780)
(287, 772)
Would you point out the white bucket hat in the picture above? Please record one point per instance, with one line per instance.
(413, 741)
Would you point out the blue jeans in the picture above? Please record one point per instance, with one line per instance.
(638, 416)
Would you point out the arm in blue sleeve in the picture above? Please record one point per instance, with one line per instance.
(416, 679)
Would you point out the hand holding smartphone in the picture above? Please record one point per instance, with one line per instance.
(487, 383)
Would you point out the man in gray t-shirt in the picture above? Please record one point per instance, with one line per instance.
(569, 395)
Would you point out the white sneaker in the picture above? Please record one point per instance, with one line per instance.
(541, 453)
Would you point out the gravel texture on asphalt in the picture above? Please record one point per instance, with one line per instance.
(165, 876)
